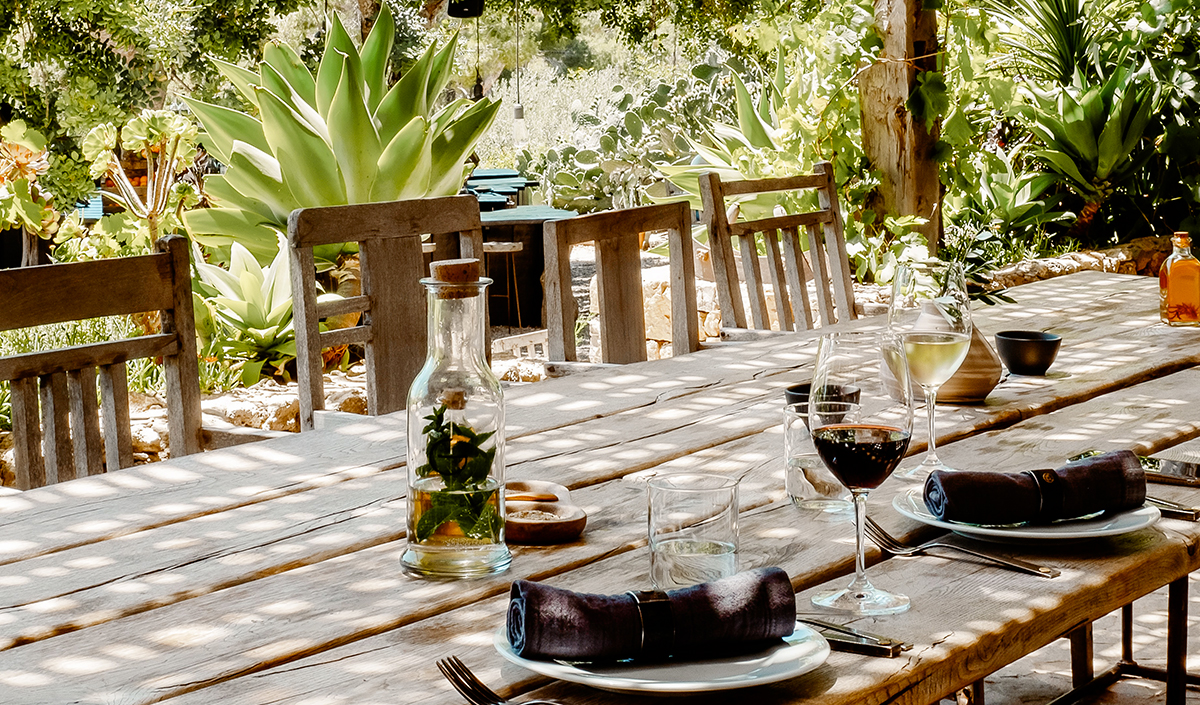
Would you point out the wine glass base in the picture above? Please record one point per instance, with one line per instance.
(868, 601)
(824, 505)
(922, 471)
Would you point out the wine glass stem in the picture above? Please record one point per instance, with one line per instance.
(860, 561)
(931, 458)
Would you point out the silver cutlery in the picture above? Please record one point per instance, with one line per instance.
(851, 640)
(1174, 510)
(892, 545)
(474, 690)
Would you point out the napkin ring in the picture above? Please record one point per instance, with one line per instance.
(658, 623)
(1050, 494)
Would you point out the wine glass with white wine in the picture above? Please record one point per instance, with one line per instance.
(931, 313)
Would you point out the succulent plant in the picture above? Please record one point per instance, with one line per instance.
(336, 138)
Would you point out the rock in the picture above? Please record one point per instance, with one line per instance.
(348, 399)
(8, 464)
(283, 413)
(145, 440)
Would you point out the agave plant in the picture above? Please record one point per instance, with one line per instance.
(336, 138)
(1092, 135)
(253, 306)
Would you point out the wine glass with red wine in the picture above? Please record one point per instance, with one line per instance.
(861, 441)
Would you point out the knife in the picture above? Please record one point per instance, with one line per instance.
(854, 641)
(1167, 472)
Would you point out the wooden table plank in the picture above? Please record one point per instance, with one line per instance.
(823, 550)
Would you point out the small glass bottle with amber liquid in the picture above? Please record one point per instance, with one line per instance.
(1179, 285)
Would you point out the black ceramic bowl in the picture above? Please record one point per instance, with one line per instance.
(1027, 352)
(798, 393)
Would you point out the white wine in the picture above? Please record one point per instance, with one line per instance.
(934, 357)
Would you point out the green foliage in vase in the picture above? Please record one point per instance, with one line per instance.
(455, 453)
(335, 138)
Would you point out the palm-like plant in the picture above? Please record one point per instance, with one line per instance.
(1055, 39)
(336, 138)
(1092, 136)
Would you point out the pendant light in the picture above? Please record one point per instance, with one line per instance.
(520, 134)
(465, 8)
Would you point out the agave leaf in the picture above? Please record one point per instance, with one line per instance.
(222, 194)
(330, 70)
(280, 88)
(440, 69)
(256, 174)
(406, 99)
(225, 283)
(287, 62)
(309, 167)
(447, 115)
(1137, 126)
(406, 164)
(277, 286)
(751, 124)
(219, 227)
(732, 137)
(1081, 139)
(455, 143)
(242, 79)
(244, 314)
(1111, 148)
(355, 142)
(224, 126)
(375, 52)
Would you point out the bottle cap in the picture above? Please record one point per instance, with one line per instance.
(1182, 235)
(456, 271)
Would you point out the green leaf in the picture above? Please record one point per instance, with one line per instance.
(375, 52)
(329, 73)
(309, 167)
(242, 79)
(257, 174)
(352, 134)
(288, 64)
(224, 126)
(405, 165)
(406, 99)
(752, 126)
(219, 227)
(440, 69)
(280, 88)
(633, 125)
(455, 143)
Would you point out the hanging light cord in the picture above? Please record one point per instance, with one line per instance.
(517, 5)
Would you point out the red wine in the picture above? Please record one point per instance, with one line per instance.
(861, 456)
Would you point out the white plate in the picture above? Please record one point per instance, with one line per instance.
(799, 653)
(912, 505)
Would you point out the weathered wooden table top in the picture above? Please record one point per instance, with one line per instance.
(269, 573)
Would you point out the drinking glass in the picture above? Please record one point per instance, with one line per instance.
(808, 483)
(693, 529)
(861, 443)
(931, 313)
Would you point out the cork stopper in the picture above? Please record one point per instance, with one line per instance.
(1182, 237)
(456, 271)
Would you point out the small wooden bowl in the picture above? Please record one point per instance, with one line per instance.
(564, 526)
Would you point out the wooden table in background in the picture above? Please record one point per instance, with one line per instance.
(269, 572)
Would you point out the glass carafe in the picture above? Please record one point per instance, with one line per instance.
(456, 437)
(1179, 285)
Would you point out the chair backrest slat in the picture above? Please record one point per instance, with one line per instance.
(85, 422)
(114, 411)
(56, 427)
(619, 280)
(109, 287)
(392, 300)
(56, 418)
(786, 266)
(27, 434)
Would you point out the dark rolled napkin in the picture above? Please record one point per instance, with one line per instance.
(551, 623)
(1109, 482)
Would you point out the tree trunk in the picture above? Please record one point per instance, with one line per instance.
(29, 248)
(898, 146)
(367, 10)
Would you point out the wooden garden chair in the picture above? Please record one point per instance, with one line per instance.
(789, 267)
(393, 328)
(69, 434)
(619, 274)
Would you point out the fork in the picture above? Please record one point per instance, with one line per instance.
(470, 687)
(892, 545)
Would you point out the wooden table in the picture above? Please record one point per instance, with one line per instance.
(523, 225)
(269, 572)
